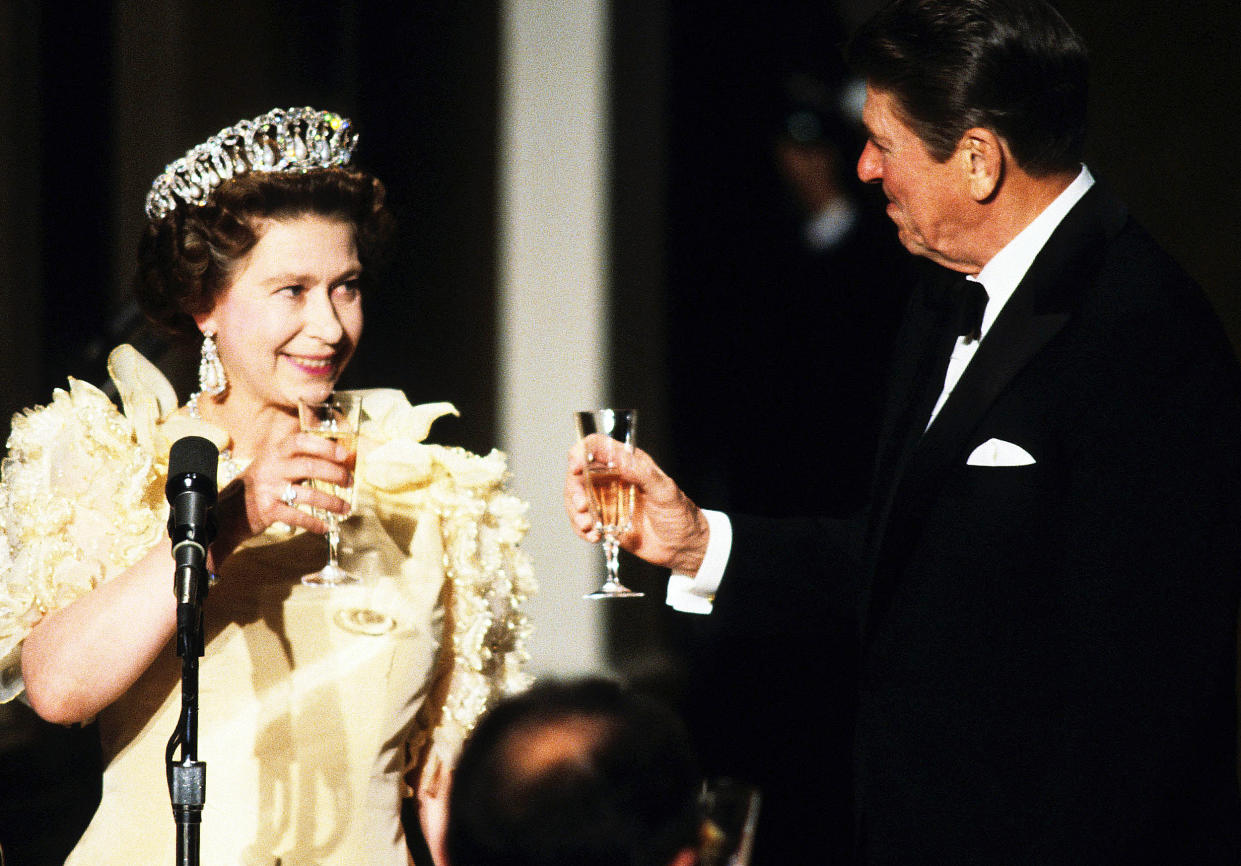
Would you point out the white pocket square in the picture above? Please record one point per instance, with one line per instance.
(997, 452)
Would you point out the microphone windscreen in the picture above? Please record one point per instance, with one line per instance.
(191, 455)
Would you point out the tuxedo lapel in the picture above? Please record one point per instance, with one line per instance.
(924, 343)
(1040, 308)
(1041, 305)
(1016, 337)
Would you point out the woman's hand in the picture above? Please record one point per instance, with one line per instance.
(433, 807)
(668, 528)
(81, 658)
(257, 498)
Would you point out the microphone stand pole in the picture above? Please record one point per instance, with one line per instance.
(187, 777)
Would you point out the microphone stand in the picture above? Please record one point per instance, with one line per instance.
(187, 777)
(191, 490)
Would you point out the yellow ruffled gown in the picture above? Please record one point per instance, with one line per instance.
(311, 699)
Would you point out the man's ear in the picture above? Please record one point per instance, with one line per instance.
(982, 159)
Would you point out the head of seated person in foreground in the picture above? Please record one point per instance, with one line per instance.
(581, 772)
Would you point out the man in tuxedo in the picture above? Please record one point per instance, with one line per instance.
(1044, 584)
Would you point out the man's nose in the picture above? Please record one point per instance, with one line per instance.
(868, 164)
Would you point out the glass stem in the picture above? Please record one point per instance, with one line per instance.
(611, 552)
(333, 538)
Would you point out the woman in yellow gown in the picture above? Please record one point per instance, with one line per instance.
(315, 702)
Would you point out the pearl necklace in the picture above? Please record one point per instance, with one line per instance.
(229, 469)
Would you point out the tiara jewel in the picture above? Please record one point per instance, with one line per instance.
(292, 139)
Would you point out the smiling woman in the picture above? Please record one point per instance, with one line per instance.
(290, 319)
(317, 704)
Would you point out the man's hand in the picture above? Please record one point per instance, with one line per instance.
(668, 529)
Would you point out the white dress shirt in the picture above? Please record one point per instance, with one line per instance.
(1000, 277)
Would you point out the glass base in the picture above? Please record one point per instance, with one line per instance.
(364, 620)
(329, 575)
(614, 590)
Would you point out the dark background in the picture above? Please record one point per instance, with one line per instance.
(96, 97)
(96, 101)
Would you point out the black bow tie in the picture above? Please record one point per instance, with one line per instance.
(963, 302)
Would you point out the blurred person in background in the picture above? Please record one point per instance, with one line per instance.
(583, 772)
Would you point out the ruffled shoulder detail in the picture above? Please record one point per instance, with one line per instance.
(391, 416)
(482, 525)
(145, 393)
(151, 405)
(80, 501)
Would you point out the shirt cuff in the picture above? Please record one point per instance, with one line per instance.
(696, 594)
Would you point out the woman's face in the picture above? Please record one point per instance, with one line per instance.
(290, 320)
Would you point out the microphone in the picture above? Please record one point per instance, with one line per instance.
(191, 495)
(191, 491)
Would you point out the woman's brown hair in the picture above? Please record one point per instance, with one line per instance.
(188, 257)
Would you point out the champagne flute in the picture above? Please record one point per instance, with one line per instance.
(730, 818)
(608, 435)
(337, 419)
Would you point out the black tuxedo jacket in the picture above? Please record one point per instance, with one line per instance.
(1047, 669)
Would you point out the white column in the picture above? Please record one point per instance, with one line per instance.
(553, 286)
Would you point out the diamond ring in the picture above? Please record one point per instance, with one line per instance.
(289, 497)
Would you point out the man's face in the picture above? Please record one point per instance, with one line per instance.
(928, 200)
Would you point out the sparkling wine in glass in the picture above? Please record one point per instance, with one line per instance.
(608, 437)
(335, 419)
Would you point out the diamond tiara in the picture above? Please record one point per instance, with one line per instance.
(291, 139)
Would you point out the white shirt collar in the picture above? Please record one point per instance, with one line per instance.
(1006, 268)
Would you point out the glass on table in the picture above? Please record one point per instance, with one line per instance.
(729, 820)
